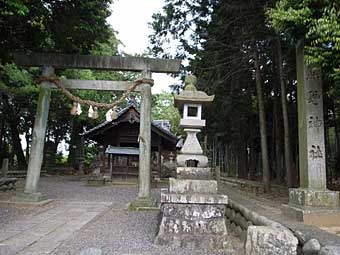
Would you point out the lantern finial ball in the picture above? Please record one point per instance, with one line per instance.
(190, 82)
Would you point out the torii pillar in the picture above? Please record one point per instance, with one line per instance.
(144, 199)
(312, 203)
(31, 193)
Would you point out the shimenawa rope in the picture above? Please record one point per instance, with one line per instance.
(81, 101)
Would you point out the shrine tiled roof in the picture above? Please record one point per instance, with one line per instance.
(154, 125)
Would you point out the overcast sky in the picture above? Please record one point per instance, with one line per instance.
(130, 19)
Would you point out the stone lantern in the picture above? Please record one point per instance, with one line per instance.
(192, 212)
(191, 102)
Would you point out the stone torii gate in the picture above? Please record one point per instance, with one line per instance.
(50, 62)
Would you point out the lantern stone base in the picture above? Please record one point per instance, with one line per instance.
(192, 214)
(314, 207)
(193, 226)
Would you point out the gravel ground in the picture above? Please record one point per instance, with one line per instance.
(116, 231)
(11, 212)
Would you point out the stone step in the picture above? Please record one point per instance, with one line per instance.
(192, 186)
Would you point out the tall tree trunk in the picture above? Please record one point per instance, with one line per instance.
(75, 143)
(13, 122)
(337, 141)
(262, 120)
(28, 141)
(22, 164)
(277, 130)
(286, 126)
(2, 130)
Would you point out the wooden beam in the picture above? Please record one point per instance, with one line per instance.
(61, 61)
(97, 85)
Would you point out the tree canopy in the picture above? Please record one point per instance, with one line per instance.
(244, 53)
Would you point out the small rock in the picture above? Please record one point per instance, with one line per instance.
(263, 240)
(91, 251)
(311, 247)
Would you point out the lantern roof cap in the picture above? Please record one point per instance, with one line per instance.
(190, 94)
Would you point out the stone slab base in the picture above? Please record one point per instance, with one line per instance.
(192, 226)
(198, 241)
(197, 173)
(313, 216)
(197, 198)
(143, 203)
(192, 186)
(28, 197)
(96, 182)
(314, 198)
(40, 203)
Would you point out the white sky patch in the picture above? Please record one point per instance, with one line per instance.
(130, 19)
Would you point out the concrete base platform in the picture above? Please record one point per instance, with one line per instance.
(29, 198)
(143, 203)
(313, 216)
(40, 203)
(314, 198)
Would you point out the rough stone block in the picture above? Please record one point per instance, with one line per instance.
(314, 198)
(193, 186)
(198, 173)
(262, 240)
(167, 197)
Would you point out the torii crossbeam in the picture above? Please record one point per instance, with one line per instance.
(50, 62)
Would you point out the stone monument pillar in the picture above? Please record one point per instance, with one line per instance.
(312, 203)
(192, 212)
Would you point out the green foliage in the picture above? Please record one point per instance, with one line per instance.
(53, 26)
(60, 159)
(13, 7)
(90, 153)
(318, 22)
(163, 109)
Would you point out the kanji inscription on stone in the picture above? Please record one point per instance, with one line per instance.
(315, 152)
(314, 97)
(314, 122)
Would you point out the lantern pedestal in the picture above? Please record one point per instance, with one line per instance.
(192, 213)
